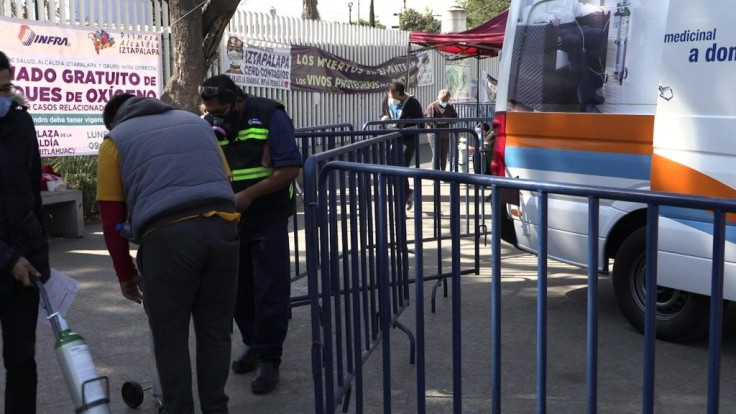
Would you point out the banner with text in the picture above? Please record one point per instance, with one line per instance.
(256, 64)
(68, 73)
(320, 71)
(305, 68)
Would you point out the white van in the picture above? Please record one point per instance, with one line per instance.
(552, 127)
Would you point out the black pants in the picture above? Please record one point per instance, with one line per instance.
(18, 313)
(410, 144)
(189, 270)
(264, 289)
(583, 46)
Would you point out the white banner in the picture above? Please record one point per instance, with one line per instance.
(256, 64)
(68, 73)
(457, 80)
(425, 69)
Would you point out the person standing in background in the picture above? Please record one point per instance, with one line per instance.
(400, 105)
(440, 143)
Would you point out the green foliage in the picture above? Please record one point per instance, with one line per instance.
(364, 22)
(480, 11)
(412, 20)
(79, 173)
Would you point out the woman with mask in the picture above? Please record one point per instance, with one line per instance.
(23, 245)
(441, 108)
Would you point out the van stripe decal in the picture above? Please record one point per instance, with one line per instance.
(631, 134)
(580, 162)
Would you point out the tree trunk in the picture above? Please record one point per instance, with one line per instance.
(196, 39)
(309, 10)
(372, 15)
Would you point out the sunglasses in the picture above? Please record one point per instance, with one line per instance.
(209, 92)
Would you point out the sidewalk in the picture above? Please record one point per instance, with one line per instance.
(116, 331)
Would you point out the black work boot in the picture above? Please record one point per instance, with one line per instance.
(267, 376)
(245, 362)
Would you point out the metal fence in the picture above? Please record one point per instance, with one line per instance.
(336, 141)
(356, 305)
(472, 110)
(365, 45)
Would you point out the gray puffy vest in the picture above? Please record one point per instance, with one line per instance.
(170, 164)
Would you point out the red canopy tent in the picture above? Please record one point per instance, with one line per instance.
(482, 41)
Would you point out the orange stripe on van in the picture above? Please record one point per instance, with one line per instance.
(629, 134)
(673, 177)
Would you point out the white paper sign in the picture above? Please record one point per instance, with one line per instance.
(61, 290)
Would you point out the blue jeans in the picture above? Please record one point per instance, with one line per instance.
(264, 289)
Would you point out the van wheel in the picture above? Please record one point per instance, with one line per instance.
(681, 316)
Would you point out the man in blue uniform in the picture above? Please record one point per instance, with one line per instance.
(257, 138)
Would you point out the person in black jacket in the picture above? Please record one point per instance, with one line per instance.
(399, 105)
(23, 244)
(257, 138)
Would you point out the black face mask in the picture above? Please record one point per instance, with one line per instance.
(227, 126)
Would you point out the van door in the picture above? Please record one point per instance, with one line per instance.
(695, 139)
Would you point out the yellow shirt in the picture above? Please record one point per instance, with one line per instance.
(109, 180)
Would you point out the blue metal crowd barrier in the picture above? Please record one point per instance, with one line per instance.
(343, 126)
(346, 299)
(471, 109)
(309, 142)
(463, 125)
(357, 242)
(317, 142)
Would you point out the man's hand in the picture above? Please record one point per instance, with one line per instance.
(555, 21)
(23, 270)
(242, 201)
(131, 289)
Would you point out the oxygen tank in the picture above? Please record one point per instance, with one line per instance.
(84, 385)
(621, 23)
(462, 155)
(80, 375)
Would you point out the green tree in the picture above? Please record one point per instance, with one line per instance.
(412, 20)
(364, 22)
(480, 11)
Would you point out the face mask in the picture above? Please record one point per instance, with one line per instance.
(394, 102)
(443, 103)
(225, 127)
(5, 103)
(235, 55)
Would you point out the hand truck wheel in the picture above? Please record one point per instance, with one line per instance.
(132, 394)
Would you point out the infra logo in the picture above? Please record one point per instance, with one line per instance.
(28, 37)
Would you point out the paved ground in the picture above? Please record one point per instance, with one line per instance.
(117, 334)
